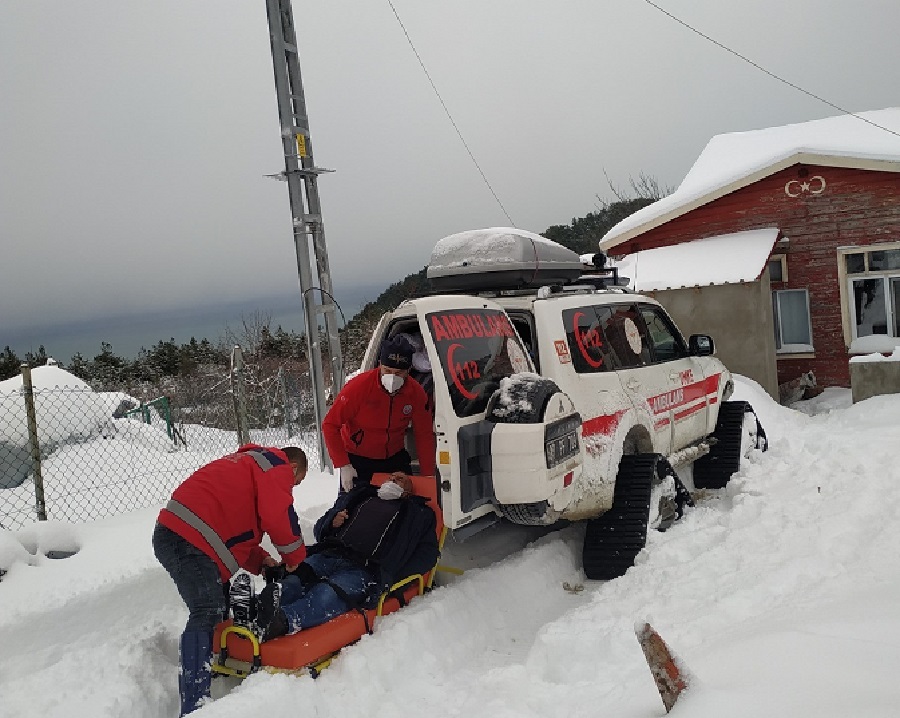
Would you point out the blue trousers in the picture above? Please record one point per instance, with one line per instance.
(306, 607)
(199, 583)
(196, 577)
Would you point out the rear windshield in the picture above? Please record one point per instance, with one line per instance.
(477, 348)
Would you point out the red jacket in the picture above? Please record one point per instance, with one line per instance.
(225, 507)
(368, 421)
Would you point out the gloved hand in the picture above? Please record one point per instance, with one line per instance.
(306, 574)
(274, 573)
(348, 474)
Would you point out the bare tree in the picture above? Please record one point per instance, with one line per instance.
(644, 187)
(252, 332)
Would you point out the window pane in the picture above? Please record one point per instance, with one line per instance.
(856, 263)
(587, 346)
(478, 348)
(793, 313)
(777, 320)
(775, 274)
(884, 259)
(891, 259)
(625, 330)
(895, 296)
(667, 344)
(871, 311)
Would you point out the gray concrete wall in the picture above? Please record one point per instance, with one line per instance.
(873, 378)
(738, 317)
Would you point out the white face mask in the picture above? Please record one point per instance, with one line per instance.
(392, 382)
(390, 491)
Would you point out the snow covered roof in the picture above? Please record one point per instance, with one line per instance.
(724, 259)
(734, 160)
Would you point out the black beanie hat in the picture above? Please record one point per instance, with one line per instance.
(396, 353)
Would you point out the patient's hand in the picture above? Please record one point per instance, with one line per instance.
(339, 519)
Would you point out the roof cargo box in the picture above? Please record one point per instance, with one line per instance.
(500, 258)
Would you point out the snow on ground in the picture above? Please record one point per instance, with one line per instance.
(779, 593)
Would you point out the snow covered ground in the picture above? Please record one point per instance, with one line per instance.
(780, 593)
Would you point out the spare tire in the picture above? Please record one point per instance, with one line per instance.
(521, 399)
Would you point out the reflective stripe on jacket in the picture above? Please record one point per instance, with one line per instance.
(225, 507)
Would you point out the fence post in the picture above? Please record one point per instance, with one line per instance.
(28, 390)
(239, 396)
(167, 415)
(284, 402)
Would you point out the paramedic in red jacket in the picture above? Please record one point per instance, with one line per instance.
(366, 426)
(211, 528)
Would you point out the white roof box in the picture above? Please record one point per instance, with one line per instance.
(500, 258)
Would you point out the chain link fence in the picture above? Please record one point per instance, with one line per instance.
(69, 453)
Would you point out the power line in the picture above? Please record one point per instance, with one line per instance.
(769, 73)
(449, 116)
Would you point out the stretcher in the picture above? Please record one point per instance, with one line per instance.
(237, 651)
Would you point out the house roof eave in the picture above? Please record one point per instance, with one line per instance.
(879, 164)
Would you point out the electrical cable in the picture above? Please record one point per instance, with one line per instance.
(769, 73)
(449, 116)
(330, 296)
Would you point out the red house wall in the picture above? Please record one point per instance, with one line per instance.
(855, 207)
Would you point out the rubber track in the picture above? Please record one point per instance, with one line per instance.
(613, 541)
(715, 469)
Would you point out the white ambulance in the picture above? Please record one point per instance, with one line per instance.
(560, 395)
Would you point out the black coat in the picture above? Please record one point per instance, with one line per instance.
(411, 546)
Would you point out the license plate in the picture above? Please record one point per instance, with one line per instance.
(561, 449)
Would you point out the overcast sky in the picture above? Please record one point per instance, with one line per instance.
(135, 136)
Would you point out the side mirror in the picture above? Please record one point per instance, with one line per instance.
(701, 345)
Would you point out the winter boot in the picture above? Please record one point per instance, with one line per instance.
(278, 626)
(196, 675)
(268, 606)
(241, 599)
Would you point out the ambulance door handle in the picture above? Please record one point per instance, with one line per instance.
(633, 384)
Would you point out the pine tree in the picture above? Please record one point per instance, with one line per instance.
(36, 359)
(10, 364)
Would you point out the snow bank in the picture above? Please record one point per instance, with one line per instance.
(65, 407)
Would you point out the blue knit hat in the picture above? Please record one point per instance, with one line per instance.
(396, 353)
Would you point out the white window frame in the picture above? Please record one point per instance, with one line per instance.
(848, 306)
(780, 346)
(889, 309)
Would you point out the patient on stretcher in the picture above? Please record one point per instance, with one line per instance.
(371, 538)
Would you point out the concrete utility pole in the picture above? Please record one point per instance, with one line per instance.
(301, 175)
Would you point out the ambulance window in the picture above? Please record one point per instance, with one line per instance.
(522, 323)
(588, 347)
(626, 332)
(666, 341)
(421, 363)
(477, 348)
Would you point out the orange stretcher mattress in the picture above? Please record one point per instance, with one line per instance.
(313, 645)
